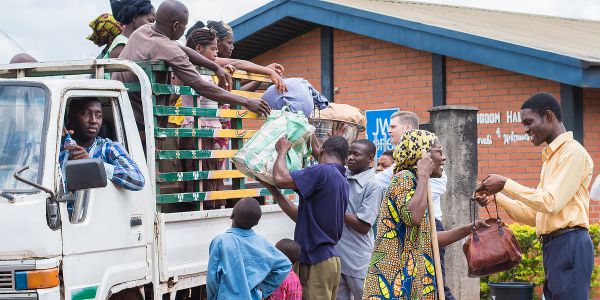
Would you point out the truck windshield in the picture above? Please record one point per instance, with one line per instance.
(21, 126)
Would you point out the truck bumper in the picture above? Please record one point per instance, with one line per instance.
(19, 296)
(42, 294)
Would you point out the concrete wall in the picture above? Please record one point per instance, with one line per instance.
(456, 127)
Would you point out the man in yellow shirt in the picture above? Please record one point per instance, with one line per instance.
(559, 206)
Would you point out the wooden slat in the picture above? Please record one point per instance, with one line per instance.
(198, 175)
(194, 154)
(203, 132)
(160, 110)
(247, 94)
(239, 74)
(214, 195)
(167, 89)
(162, 89)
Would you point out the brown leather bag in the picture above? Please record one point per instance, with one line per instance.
(493, 249)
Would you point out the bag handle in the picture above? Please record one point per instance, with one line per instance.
(473, 213)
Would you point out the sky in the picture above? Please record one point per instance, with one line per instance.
(57, 29)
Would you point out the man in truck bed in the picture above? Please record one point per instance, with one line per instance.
(159, 42)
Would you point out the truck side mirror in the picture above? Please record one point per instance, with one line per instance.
(84, 174)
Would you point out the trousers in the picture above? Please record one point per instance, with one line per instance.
(321, 280)
(568, 263)
(350, 288)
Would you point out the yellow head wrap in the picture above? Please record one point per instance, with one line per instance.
(105, 27)
(410, 149)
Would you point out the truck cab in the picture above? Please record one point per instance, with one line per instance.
(104, 242)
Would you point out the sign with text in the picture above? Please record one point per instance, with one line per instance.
(502, 133)
(378, 122)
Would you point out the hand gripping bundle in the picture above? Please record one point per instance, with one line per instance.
(257, 156)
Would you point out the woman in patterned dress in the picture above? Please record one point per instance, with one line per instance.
(402, 265)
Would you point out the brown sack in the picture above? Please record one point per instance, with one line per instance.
(491, 250)
(342, 112)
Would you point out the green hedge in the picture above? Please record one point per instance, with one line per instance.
(531, 268)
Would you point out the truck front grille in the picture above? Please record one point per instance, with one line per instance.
(6, 280)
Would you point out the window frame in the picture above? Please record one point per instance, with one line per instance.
(112, 97)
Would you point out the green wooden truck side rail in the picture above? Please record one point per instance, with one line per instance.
(237, 134)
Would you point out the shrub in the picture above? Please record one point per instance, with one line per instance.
(531, 268)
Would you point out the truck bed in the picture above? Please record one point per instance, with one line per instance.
(184, 238)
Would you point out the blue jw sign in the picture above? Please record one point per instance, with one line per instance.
(378, 122)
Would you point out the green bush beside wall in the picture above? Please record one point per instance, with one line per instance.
(531, 268)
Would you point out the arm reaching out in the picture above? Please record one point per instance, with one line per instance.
(281, 174)
(254, 68)
(225, 81)
(286, 205)
(448, 237)
(253, 85)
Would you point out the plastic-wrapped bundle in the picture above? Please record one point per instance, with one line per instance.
(257, 157)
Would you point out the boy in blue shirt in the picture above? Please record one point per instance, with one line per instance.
(242, 264)
(323, 192)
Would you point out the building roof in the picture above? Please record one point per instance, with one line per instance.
(558, 49)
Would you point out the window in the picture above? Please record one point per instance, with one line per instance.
(86, 122)
(21, 133)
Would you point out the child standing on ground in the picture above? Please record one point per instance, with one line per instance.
(242, 264)
(290, 289)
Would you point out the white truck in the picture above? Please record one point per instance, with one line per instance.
(110, 243)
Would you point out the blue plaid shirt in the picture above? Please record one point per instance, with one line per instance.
(120, 168)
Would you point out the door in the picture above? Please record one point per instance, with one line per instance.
(107, 243)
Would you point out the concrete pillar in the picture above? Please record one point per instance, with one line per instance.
(456, 128)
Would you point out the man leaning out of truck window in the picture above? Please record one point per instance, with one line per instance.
(83, 122)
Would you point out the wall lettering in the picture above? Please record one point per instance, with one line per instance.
(509, 137)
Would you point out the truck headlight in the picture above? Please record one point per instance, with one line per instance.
(36, 279)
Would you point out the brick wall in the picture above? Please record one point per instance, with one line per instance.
(301, 57)
(373, 74)
(496, 91)
(591, 138)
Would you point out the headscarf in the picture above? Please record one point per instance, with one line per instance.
(223, 30)
(104, 28)
(198, 24)
(125, 10)
(410, 149)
